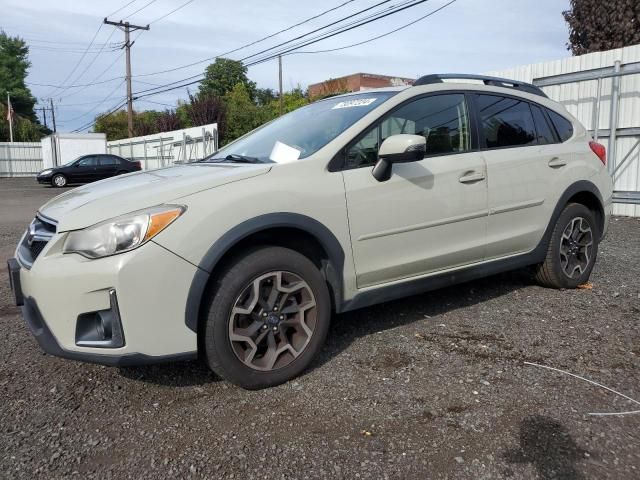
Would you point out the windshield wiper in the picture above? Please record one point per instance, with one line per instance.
(233, 158)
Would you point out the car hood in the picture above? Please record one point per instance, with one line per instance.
(95, 202)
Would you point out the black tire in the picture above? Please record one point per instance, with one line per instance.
(552, 272)
(226, 293)
(59, 180)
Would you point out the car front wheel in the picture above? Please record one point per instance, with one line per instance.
(59, 180)
(268, 317)
(572, 250)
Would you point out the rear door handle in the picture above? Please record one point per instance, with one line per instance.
(557, 162)
(472, 177)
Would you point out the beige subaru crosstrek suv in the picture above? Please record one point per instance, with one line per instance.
(242, 258)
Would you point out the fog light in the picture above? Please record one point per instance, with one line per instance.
(101, 329)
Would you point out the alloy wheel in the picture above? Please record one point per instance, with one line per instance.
(576, 247)
(272, 321)
(59, 181)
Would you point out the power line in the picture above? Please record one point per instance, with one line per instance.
(171, 12)
(108, 97)
(56, 42)
(371, 18)
(73, 70)
(87, 66)
(93, 122)
(158, 103)
(335, 32)
(433, 12)
(74, 86)
(93, 39)
(121, 8)
(288, 49)
(248, 44)
(141, 8)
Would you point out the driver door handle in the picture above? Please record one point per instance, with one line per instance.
(472, 177)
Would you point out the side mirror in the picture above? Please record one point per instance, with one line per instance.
(401, 148)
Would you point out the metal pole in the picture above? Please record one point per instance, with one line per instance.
(53, 115)
(10, 115)
(144, 145)
(613, 118)
(596, 113)
(280, 83)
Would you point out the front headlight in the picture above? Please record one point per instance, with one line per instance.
(46, 172)
(121, 234)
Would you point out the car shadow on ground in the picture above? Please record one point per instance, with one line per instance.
(348, 327)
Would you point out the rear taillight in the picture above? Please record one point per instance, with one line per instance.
(600, 151)
(139, 164)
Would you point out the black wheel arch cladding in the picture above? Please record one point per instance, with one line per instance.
(331, 270)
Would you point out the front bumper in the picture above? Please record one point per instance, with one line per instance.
(44, 178)
(60, 291)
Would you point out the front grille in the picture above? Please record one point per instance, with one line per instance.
(40, 231)
(36, 249)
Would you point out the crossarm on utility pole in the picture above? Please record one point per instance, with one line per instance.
(127, 28)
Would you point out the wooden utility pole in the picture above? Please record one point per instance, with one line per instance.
(53, 116)
(280, 83)
(127, 28)
(44, 116)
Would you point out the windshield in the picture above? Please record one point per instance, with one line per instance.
(302, 132)
(68, 164)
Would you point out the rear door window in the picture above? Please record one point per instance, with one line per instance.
(107, 161)
(545, 131)
(562, 125)
(505, 122)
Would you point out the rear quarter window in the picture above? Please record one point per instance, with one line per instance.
(563, 127)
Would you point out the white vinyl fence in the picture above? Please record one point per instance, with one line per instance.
(20, 159)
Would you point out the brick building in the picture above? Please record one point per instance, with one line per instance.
(355, 83)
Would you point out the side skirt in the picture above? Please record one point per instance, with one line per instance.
(434, 282)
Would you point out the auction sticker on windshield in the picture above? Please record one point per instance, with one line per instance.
(283, 153)
(360, 102)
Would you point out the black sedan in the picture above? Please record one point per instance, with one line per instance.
(87, 168)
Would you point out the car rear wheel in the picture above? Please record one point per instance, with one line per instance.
(572, 250)
(59, 180)
(268, 317)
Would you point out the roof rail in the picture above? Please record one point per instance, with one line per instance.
(494, 81)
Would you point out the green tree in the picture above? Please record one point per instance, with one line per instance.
(595, 25)
(114, 125)
(242, 114)
(264, 96)
(14, 65)
(223, 75)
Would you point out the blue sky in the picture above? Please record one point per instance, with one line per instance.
(468, 36)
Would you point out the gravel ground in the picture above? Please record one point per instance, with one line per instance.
(433, 386)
